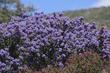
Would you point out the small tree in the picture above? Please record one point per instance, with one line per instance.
(12, 7)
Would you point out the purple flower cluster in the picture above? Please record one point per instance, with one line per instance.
(105, 42)
(8, 63)
(45, 39)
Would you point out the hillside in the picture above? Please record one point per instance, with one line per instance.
(99, 15)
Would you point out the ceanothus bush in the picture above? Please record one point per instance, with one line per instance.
(48, 39)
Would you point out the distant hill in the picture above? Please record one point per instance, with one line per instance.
(99, 15)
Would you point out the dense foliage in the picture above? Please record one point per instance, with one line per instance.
(48, 39)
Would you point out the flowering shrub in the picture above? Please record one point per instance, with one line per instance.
(42, 40)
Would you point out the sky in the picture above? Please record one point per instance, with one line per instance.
(49, 6)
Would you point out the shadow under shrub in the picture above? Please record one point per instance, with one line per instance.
(87, 62)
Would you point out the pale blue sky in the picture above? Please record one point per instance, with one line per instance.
(49, 6)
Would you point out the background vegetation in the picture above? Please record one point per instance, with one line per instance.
(10, 8)
(99, 15)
